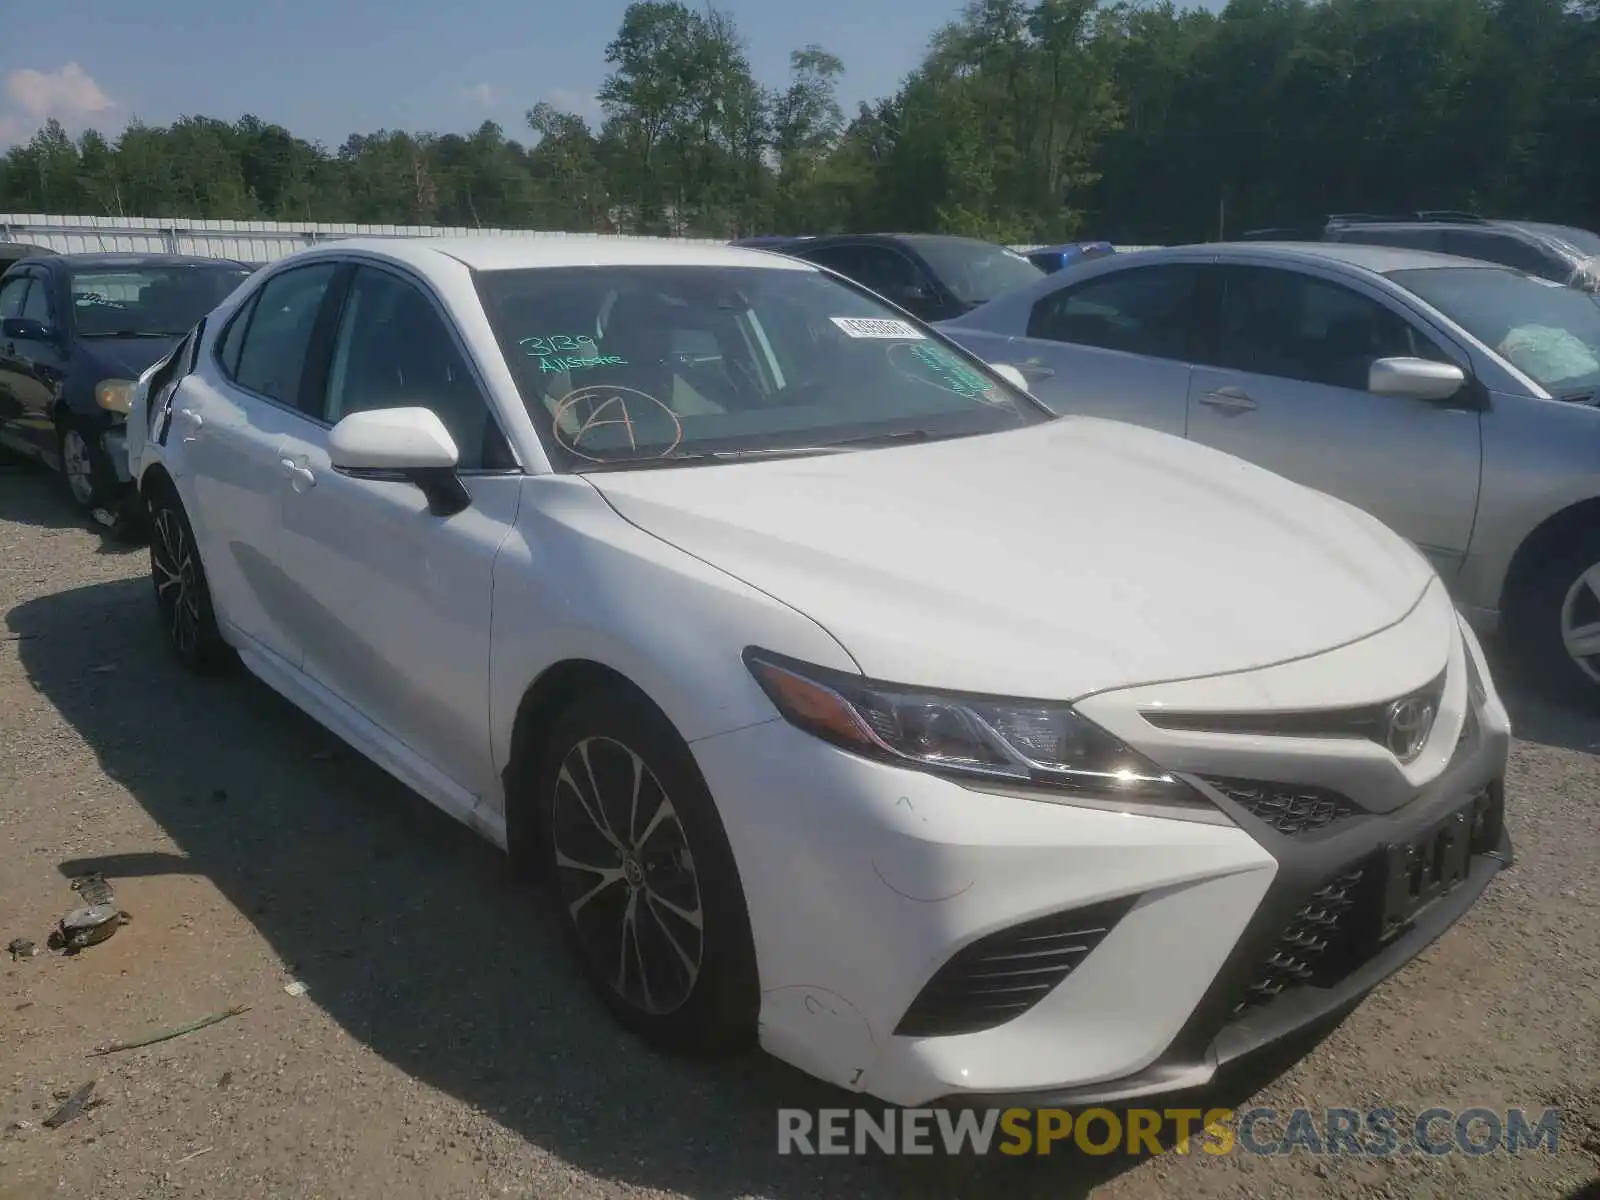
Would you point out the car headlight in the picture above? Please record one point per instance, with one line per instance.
(115, 395)
(1030, 742)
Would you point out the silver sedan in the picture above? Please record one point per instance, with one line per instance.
(1453, 399)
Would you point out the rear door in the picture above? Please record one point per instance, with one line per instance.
(1285, 387)
(1118, 345)
(229, 423)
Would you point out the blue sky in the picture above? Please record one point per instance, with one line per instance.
(326, 68)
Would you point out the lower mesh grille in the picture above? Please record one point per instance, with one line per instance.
(1291, 809)
(1002, 976)
(1318, 940)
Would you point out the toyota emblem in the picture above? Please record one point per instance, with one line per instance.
(1408, 725)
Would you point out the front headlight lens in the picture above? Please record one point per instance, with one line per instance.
(115, 395)
(1031, 742)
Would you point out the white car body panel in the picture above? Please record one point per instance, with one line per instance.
(1083, 559)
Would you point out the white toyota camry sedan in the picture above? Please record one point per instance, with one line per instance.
(844, 699)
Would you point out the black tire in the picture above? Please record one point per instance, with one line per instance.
(99, 476)
(1535, 623)
(681, 989)
(183, 597)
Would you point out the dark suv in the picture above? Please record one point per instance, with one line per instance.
(1562, 253)
(931, 276)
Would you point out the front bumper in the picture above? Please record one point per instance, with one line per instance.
(863, 881)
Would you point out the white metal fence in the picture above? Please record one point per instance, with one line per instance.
(248, 241)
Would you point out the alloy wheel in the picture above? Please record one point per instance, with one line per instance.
(626, 875)
(177, 584)
(76, 467)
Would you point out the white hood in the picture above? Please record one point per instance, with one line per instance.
(1046, 562)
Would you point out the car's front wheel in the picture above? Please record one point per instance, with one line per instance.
(647, 889)
(183, 596)
(1555, 625)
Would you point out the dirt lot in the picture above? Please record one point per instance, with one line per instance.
(443, 1048)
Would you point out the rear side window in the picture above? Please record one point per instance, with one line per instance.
(1146, 310)
(276, 333)
(12, 290)
(1415, 238)
(1507, 250)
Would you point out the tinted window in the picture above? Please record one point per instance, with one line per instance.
(160, 301)
(272, 358)
(1147, 311)
(1418, 238)
(394, 350)
(37, 306)
(1296, 326)
(232, 340)
(1550, 332)
(12, 290)
(1507, 250)
(976, 271)
(801, 360)
(885, 271)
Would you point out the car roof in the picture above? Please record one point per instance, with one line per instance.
(492, 253)
(1381, 259)
(106, 260)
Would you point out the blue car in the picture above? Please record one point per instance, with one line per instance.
(1051, 259)
(76, 332)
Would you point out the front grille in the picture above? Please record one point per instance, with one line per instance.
(1290, 808)
(1317, 943)
(1002, 976)
(1367, 721)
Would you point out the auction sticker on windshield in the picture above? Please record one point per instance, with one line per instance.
(876, 327)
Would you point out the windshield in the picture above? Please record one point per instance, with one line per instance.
(1547, 330)
(624, 365)
(162, 301)
(976, 271)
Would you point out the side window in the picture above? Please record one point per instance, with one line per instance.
(37, 306)
(1275, 322)
(1505, 249)
(394, 350)
(844, 259)
(1147, 310)
(272, 359)
(889, 273)
(12, 289)
(1410, 238)
(232, 339)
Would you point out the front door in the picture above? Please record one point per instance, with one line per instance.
(229, 421)
(1287, 389)
(395, 610)
(13, 291)
(1118, 345)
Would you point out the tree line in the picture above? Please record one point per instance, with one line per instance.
(1026, 121)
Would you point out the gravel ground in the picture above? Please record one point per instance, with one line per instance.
(443, 1047)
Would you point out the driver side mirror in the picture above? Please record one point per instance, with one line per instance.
(25, 329)
(1011, 375)
(1415, 379)
(402, 445)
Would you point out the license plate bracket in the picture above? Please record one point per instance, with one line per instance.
(1424, 868)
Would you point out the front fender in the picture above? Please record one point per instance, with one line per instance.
(575, 581)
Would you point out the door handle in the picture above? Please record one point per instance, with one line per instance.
(300, 477)
(191, 418)
(1228, 399)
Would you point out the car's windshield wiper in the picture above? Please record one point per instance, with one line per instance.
(133, 333)
(703, 456)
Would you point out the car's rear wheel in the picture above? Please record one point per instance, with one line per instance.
(646, 888)
(1554, 624)
(183, 597)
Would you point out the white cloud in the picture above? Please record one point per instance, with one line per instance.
(583, 104)
(69, 94)
(482, 94)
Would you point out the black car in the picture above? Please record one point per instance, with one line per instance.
(76, 332)
(931, 276)
(1560, 253)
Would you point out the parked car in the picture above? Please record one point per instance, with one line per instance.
(1051, 259)
(843, 697)
(1562, 253)
(1455, 400)
(931, 276)
(77, 331)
